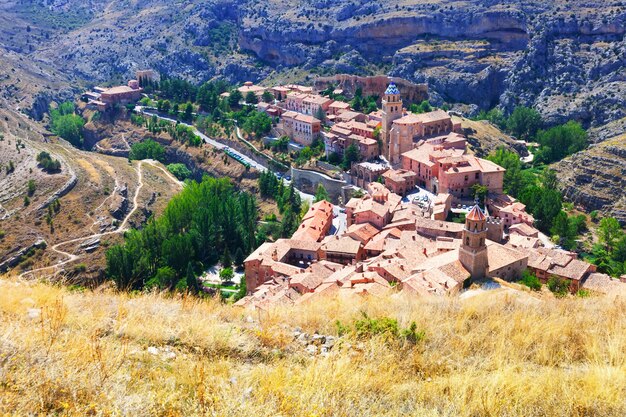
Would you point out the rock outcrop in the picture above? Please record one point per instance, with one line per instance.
(596, 178)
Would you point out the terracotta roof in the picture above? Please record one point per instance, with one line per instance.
(523, 229)
(500, 256)
(430, 117)
(476, 214)
(362, 232)
(344, 244)
(119, 90)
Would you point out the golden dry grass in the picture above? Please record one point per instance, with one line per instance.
(496, 354)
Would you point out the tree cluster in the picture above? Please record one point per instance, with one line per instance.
(198, 227)
(48, 164)
(287, 198)
(147, 149)
(67, 124)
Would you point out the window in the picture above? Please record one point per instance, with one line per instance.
(466, 178)
(477, 175)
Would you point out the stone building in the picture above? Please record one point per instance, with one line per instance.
(301, 128)
(400, 131)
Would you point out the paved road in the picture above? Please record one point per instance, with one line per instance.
(256, 165)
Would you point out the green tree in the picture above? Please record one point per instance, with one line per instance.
(524, 123)
(239, 257)
(147, 149)
(351, 155)
(321, 193)
(180, 171)
(494, 116)
(227, 275)
(560, 141)
(289, 223)
(267, 97)
(32, 186)
(479, 192)
(609, 231)
(192, 282)
(66, 124)
(235, 98)
(188, 111)
(251, 98)
(530, 281)
(227, 260)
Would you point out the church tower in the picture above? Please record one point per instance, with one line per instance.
(392, 110)
(473, 251)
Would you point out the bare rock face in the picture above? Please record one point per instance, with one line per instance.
(596, 178)
(566, 58)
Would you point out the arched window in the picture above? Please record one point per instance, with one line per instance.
(467, 241)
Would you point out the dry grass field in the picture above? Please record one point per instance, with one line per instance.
(497, 354)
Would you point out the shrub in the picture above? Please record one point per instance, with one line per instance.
(31, 187)
(560, 287)
(530, 280)
(180, 171)
(385, 327)
(47, 163)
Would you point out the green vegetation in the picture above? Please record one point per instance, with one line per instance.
(251, 98)
(560, 141)
(321, 193)
(184, 134)
(147, 149)
(560, 287)
(610, 254)
(350, 155)
(363, 104)
(46, 162)
(66, 124)
(530, 280)
(196, 228)
(525, 123)
(32, 186)
(385, 328)
(254, 122)
(227, 274)
(423, 107)
(280, 145)
(180, 171)
(566, 229)
(287, 199)
(540, 194)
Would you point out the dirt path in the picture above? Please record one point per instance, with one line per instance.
(72, 257)
(156, 164)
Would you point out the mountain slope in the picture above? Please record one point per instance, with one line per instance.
(567, 58)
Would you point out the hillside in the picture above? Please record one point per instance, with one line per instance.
(596, 178)
(564, 57)
(499, 354)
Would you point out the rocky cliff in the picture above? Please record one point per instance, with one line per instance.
(596, 178)
(566, 58)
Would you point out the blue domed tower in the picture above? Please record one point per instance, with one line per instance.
(392, 110)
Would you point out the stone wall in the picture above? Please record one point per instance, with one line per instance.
(374, 85)
(307, 181)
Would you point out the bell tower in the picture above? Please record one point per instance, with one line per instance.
(392, 110)
(473, 251)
